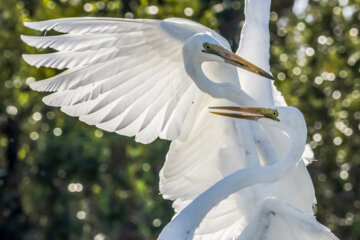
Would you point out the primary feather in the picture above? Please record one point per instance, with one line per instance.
(122, 75)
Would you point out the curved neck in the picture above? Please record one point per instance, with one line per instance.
(184, 225)
(224, 90)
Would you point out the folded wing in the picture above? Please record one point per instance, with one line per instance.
(279, 220)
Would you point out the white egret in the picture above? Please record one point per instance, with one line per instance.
(150, 78)
(128, 76)
(217, 147)
(132, 77)
(275, 219)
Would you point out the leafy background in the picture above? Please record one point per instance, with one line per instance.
(61, 179)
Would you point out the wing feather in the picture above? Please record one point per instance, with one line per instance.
(90, 92)
(88, 25)
(277, 219)
(122, 75)
(83, 42)
(62, 60)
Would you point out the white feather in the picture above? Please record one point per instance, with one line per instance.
(74, 42)
(277, 219)
(123, 75)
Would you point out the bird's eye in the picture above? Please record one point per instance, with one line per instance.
(206, 46)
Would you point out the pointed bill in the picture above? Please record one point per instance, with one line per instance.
(248, 113)
(232, 58)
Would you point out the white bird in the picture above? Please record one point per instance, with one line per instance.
(131, 77)
(151, 78)
(275, 219)
(217, 147)
(128, 76)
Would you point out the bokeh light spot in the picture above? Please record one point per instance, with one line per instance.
(98, 133)
(100, 5)
(34, 136)
(344, 174)
(75, 187)
(57, 132)
(156, 222)
(81, 215)
(88, 7)
(37, 116)
(317, 137)
(152, 10)
(337, 141)
(11, 110)
(322, 177)
(354, 32)
(188, 11)
(310, 51)
(336, 94)
(99, 236)
(281, 76)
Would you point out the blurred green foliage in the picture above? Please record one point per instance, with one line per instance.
(61, 179)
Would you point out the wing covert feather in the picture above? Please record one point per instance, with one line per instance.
(268, 224)
(122, 75)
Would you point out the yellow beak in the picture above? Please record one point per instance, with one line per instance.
(248, 113)
(232, 58)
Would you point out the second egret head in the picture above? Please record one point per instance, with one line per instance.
(286, 118)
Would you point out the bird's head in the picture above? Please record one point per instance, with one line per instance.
(206, 48)
(288, 119)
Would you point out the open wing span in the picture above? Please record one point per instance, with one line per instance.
(122, 75)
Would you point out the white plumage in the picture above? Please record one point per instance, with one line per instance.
(135, 78)
(277, 219)
(273, 218)
(218, 147)
(122, 75)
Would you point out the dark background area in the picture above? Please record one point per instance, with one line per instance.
(61, 179)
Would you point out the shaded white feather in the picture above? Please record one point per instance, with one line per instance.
(277, 219)
(123, 75)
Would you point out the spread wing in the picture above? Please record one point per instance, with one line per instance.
(279, 220)
(122, 75)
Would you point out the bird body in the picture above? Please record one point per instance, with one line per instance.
(192, 167)
(110, 84)
(152, 78)
(264, 221)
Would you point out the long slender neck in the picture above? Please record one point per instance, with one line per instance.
(254, 47)
(184, 225)
(223, 90)
(267, 151)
